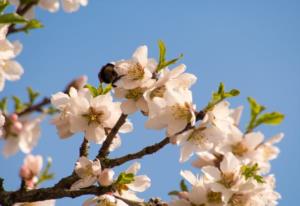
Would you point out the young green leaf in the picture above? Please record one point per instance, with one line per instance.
(174, 193)
(92, 89)
(125, 178)
(19, 105)
(12, 18)
(33, 24)
(220, 95)
(183, 186)
(3, 104)
(32, 95)
(162, 63)
(46, 175)
(3, 5)
(249, 171)
(273, 118)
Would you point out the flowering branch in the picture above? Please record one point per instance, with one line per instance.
(9, 198)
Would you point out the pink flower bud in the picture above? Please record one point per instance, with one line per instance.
(106, 177)
(183, 195)
(25, 173)
(14, 117)
(17, 126)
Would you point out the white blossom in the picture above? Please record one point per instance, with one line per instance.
(39, 203)
(140, 184)
(89, 172)
(104, 200)
(20, 134)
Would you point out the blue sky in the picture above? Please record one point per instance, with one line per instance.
(250, 45)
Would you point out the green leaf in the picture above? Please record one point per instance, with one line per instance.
(12, 18)
(183, 186)
(93, 90)
(19, 105)
(3, 5)
(221, 95)
(45, 175)
(33, 24)
(162, 63)
(255, 107)
(174, 192)
(249, 171)
(125, 178)
(32, 95)
(3, 104)
(107, 89)
(52, 110)
(273, 118)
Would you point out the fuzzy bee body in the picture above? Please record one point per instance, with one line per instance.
(108, 74)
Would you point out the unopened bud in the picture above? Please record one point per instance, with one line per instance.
(106, 177)
(77, 83)
(183, 195)
(14, 117)
(25, 173)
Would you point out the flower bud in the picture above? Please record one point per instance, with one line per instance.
(25, 173)
(106, 177)
(14, 117)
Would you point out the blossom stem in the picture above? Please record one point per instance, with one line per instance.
(84, 148)
(145, 151)
(104, 151)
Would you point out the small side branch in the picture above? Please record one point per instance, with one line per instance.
(104, 151)
(145, 151)
(84, 148)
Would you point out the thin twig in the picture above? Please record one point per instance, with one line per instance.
(84, 148)
(104, 151)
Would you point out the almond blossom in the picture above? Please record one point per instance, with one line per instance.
(140, 184)
(104, 200)
(20, 134)
(89, 172)
(39, 203)
(136, 76)
(9, 69)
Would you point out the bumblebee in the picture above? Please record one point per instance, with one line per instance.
(108, 74)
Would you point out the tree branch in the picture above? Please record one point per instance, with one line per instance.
(145, 151)
(104, 151)
(9, 198)
(84, 148)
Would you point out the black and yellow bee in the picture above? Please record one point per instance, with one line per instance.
(108, 74)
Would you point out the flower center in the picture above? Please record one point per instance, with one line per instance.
(197, 136)
(214, 197)
(105, 202)
(239, 149)
(227, 180)
(136, 72)
(238, 200)
(181, 112)
(134, 94)
(158, 92)
(94, 116)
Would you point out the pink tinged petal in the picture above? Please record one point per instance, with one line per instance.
(141, 55)
(177, 71)
(155, 123)
(12, 70)
(212, 173)
(252, 140)
(186, 152)
(141, 104)
(50, 5)
(11, 147)
(230, 163)
(116, 143)
(2, 81)
(83, 2)
(18, 47)
(34, 163)
(151, 65)
(96, 167)
(176, 126)
(189, 176)
(128, 107)
(134, 168)
(59, 100)
(140, 183)
(78, 124)
(95, 133)
(275, 139)
(83, 183)
(6, 50)
(198, 195)
(126, 127)
(236, 115)
(70, 5)
(179, 202)
(106, 177)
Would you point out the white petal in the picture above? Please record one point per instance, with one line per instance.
(230, 163)
(212, 173)
(13, 70)
(186, 152)
(82, 183)
(128, 107)
(140, 183)
(189, 176)
(252, 140)
(134, 168)
(141, 55)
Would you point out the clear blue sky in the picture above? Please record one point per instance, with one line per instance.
(250, 45)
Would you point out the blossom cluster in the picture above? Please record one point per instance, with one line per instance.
(235, 165)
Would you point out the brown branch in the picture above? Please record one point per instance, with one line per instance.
(145, 151)
(84, 148)
(21, 10)
(104, 151)
(9, 198)
(36, 107)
